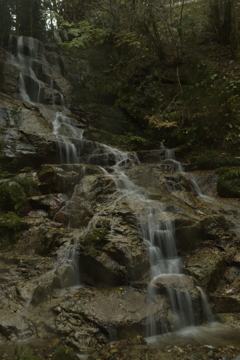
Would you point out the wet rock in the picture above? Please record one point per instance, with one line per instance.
(150, 156)
(189, 234)
(50, 203)
(113, 254)
(42, 293)
(26, 117)
(9, 74)
(62, 178)
(225, 302)
(63, 277)
(121, 313)
(179, 282)
(207, 266)
(21, 149)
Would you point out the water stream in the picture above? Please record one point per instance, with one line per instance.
(36, 78)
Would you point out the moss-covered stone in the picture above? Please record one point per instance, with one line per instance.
(13, 197)
(94, 242)
(65, 353)
(228, 184)
(28, 184)
(129, 141)
(9, 227)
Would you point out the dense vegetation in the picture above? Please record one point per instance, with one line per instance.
(173, 66)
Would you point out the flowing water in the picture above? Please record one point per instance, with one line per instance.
(159, 238)
(158, 235)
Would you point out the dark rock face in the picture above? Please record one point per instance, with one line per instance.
(71, 224)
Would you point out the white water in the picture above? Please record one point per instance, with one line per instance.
(207, 313)
(28, 53)
(67, 150)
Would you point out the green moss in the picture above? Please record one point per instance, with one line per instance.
(29, 185)
(94, 242)
(10, 221)
(9, 227)
(228, 184)
(13, 197)
(65, 353)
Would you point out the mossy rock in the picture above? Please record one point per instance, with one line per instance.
(13, 197)
(65, 353)
(9, 228)
(94, 242)
(28, 184)
(228, 184)
(130, 141)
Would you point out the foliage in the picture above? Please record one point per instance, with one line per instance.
(136, 142)
(79, 35)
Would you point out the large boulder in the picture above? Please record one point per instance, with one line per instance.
(62, 178)
(207, 266)
(121, 313)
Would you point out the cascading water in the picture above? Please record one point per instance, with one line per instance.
(67, 150)
(157, 231)
(28, 53)
(170, 156)
(35, 76)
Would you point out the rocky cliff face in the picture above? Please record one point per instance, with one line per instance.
(88, 232)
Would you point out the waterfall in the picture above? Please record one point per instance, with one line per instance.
(67, 150)
(28, 53)
(155, 228)
(205, 306)
(170, 156)
(158, 234)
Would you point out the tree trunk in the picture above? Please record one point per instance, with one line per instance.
(228, 34)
